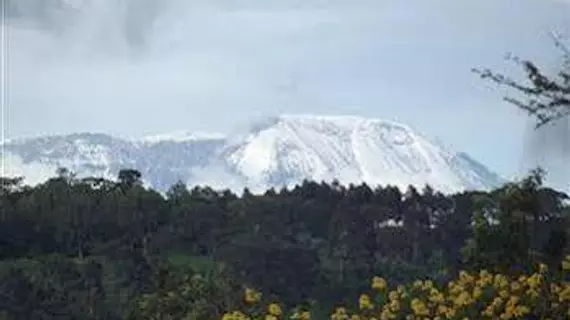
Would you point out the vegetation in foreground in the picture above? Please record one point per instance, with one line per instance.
(97, 249)
(92, 248)
(482, 295)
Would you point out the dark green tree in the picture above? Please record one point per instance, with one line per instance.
(129, 178)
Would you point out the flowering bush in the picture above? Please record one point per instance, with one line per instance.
(482, 295)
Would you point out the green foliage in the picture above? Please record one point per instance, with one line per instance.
(507, 225)
(98, 249)
(185, 295)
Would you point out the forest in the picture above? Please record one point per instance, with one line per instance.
(90, 248)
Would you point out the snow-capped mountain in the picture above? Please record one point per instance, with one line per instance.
(278, 152)
(161, 162)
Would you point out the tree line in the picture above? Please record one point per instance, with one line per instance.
(93, 248)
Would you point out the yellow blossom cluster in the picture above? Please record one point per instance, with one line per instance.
(481, 295)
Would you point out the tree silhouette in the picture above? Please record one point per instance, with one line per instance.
(547, 97)
(129, 177)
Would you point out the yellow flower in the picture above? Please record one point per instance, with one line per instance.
(455, 289)
(339, 314)
(450, 313)
(436, 296)
(340, 311)
(274, 309)
(488, 312)
(500, 281)
(513, 300)
(251, 296)
(566, 265)
(418, 284)
(477, 292)
(521, 311)
(515, 286)
(497, 302)
(419, 307)
(465, 277)
(236, 315)
(379, 283)
(387, 315)
(401, 291)
(504, 294)
(394, 306)
(535, 280)
(533, 293)
(564, 294)
(305, 315)
(484, 274)
(365, 302)
(463, 299)
(442, 309)
(393, 295)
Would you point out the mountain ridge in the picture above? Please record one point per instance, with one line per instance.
(280, 151)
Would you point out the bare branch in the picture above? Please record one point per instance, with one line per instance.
(547, 98)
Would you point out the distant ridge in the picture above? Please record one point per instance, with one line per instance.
(281, 151)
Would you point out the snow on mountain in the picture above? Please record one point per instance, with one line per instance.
(182, 136)
(351, 149)
(281, 151)
(161, 162)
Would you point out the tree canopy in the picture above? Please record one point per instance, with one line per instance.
(92, 248)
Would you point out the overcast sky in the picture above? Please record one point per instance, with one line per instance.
(137, 67)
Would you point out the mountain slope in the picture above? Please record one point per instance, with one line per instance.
(162, 162)
(351, 149)
(280, 152)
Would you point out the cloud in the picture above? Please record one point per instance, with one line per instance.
(134, 67)
(33, 173)
(217, 177)
(88, 72)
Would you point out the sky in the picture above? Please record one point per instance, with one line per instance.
(138, 67)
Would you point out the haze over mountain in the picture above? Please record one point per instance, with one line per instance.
(134, 67)
(281, 151)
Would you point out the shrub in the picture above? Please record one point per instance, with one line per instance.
(543, 294)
